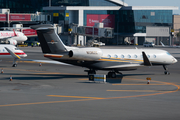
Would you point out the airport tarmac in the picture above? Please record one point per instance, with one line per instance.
(60, 92)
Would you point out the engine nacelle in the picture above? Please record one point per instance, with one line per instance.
(85, 53)
(12, 42)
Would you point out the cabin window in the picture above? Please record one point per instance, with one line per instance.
(122, 56)
(115, 56)
(109, 56)
(129, 56)
(135, 56)
(154, 56)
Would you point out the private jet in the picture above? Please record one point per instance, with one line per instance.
(112, 60)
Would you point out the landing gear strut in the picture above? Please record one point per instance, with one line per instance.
(166, 72)
(112, 74)
(91, 71)
(14, 63)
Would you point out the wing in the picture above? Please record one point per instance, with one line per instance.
(12, 53)
(42, 61)
(124, 66)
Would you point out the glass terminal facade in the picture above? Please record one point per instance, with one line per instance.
(135, 21)
(24, 6)
(125, 22)
(31, 6)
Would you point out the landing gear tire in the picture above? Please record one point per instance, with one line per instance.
(14, 65)
(166, 73)
(111, 74)
(166, 70)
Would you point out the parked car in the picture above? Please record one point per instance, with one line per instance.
(148, 44)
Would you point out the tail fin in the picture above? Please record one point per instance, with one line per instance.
(50, 41)
(14, 33)
(162, 44)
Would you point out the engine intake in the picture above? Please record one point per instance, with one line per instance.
(12, 42)
(85, 53)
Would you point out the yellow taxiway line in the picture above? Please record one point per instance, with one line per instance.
(135, 91)
(83, 98)
(138, 84)
(49, 102)
(74, 97)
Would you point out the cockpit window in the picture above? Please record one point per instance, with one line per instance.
(168, 53)
(16, 48)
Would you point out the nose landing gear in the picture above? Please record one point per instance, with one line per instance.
(112, 74)
(166, 72)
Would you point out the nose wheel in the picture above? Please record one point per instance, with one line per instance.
(166, 72)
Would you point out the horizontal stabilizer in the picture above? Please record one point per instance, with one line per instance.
(12, 53)
(43, 61)
(146, 60)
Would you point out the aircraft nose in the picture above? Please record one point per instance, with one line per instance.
(24, 55)
(25, 38)
(175, 60)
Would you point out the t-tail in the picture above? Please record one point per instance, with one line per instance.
(49, 40)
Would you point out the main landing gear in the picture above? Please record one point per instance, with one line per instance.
(90, 72)
(112, 74)
(166, 72)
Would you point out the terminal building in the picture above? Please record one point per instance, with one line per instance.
(130, 24)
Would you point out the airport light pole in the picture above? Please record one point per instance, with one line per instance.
(8, 12)
(49, 3)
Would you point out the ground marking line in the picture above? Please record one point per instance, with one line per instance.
(74, 96)
(135, 91)
(139, 84)
(50, 102)
(94, 98)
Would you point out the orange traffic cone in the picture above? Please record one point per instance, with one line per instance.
(10, 78)
(148, 79)
(2, 71)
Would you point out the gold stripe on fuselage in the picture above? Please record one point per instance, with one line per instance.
(53, 56)
(120, 60)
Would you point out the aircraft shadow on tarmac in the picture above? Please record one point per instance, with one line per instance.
(118, 79)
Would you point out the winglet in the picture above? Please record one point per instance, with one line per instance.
(146, 60)
(12, 54)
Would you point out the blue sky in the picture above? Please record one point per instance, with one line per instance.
(155, 3)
